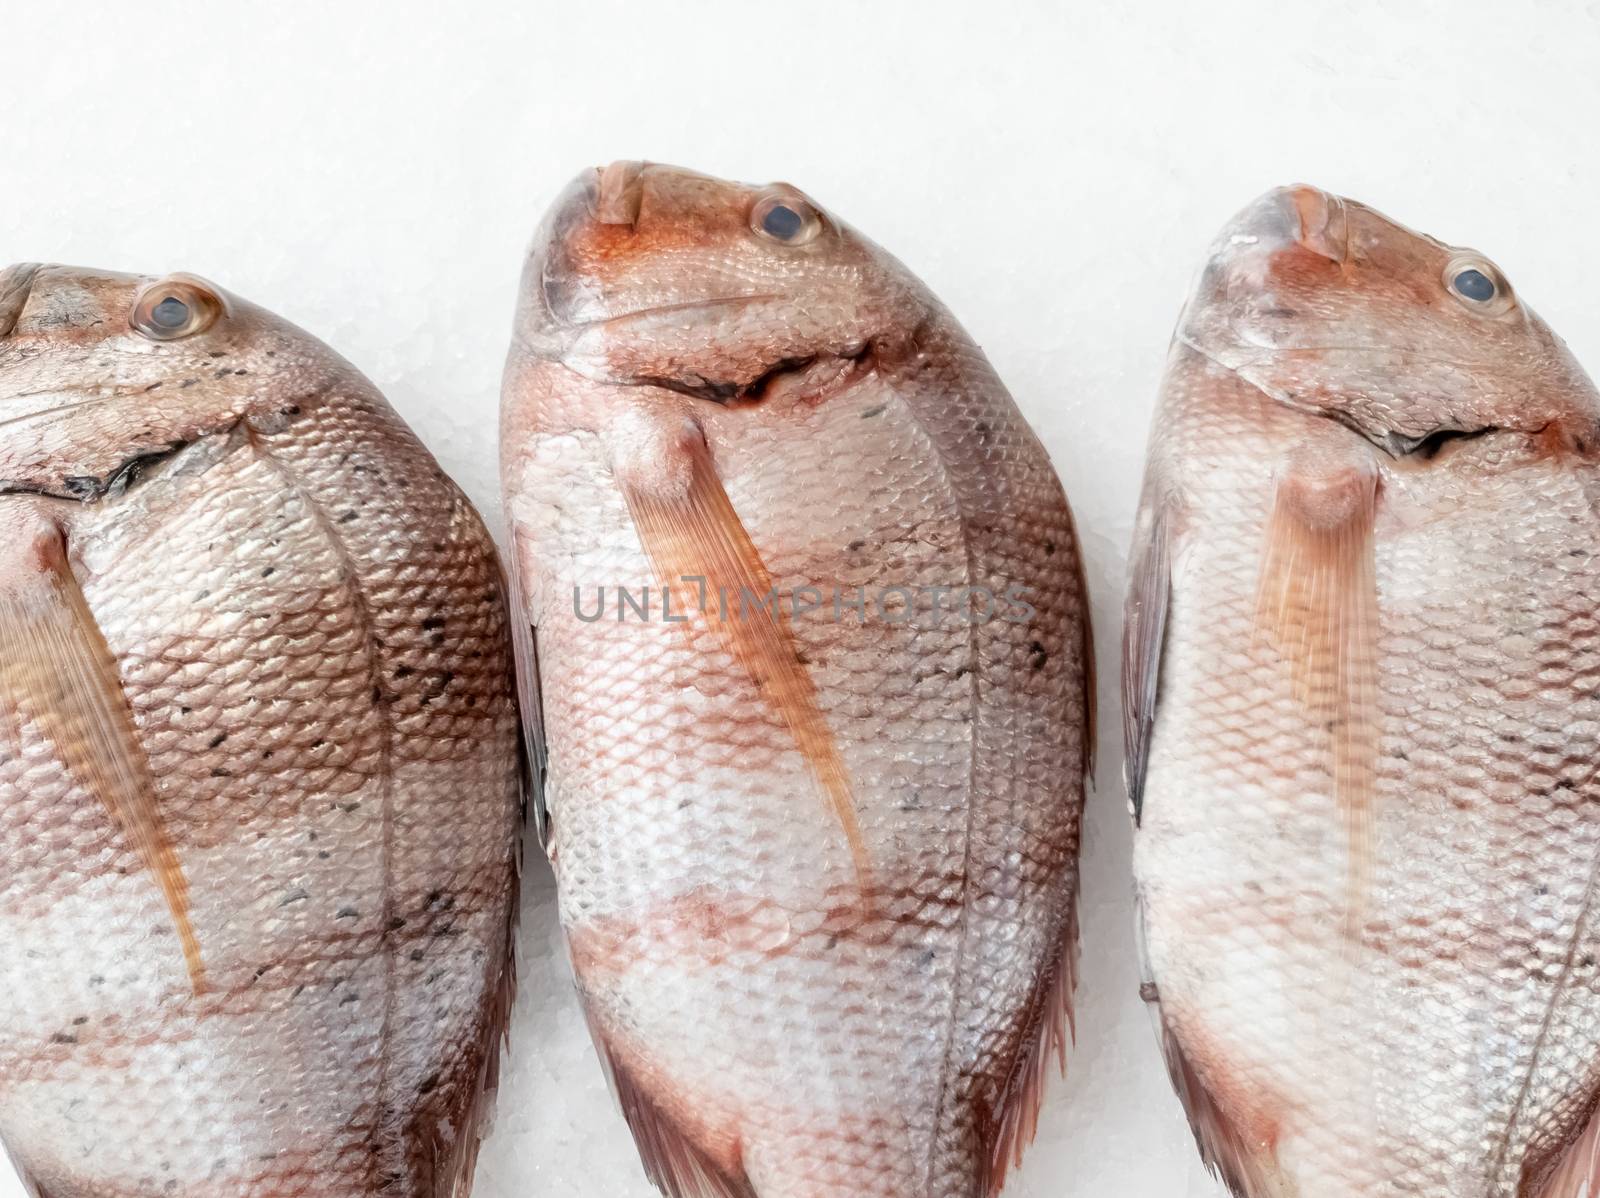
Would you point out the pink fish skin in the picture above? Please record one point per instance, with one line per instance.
(259, 792)
(1362, 676)
(818, 872)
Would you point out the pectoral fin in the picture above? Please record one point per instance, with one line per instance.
(1318, 603)
(690, 531)
(56, 669)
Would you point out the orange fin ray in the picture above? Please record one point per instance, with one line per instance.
(56, 668)
(1318, 604)
(695, 539)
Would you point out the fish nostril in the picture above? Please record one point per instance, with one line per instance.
(15, 284)
(621, 188)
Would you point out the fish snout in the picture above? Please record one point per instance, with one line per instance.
(589, 225)
(16, 282)
(1300, 215)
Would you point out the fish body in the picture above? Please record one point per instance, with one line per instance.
(258, 763)
(1361, 666)
(816, 862)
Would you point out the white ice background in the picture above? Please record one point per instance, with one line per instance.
(373, 170)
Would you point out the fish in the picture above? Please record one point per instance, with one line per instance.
(260, 767)
(1361, 679)
(805, 642)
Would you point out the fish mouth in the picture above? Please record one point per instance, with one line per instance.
(812, 374)
(16, 284)
(1232, 304)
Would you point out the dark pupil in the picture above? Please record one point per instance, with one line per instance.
(1475, 285)
(783, 223)
(170, 313)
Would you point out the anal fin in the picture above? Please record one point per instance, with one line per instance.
(56, 668)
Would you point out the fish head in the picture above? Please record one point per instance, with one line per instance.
(651, 274)
(1329, 306)
(100, 369)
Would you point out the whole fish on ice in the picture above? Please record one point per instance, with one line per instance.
(259, 787)
(1362, 675)
(814, 799)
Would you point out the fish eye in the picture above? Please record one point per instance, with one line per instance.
(1478, 285)
(1474, 285)
(786, 218)
(174, 308)
(782, 222)
(170, 313)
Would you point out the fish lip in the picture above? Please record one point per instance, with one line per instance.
(1298, 215)
(16, 285)
(1324, 221)
(621, 189)
(1237, 284)
(540, 328)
